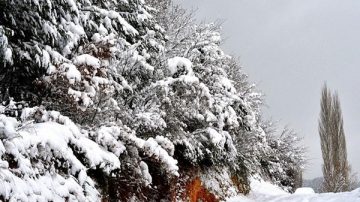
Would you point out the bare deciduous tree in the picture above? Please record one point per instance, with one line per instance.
(333, 145)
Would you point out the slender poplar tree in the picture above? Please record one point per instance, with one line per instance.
(333, 144)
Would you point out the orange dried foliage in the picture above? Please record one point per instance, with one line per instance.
(196, 192)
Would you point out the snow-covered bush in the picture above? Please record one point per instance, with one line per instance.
(78, 54)
(285, 158)
(40, 161)
(129, 102)
(230, 104)
(48, 149)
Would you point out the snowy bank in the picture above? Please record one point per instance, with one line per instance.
(262, 191)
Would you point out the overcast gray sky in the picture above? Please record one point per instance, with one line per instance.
(289, 48)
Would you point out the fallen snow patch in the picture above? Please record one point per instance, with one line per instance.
(304, 190)
(262, 191)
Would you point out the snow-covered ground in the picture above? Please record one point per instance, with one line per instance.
(266, 192)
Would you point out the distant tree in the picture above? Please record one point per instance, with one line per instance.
(336, 169)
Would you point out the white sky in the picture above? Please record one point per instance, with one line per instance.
(289, 48)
